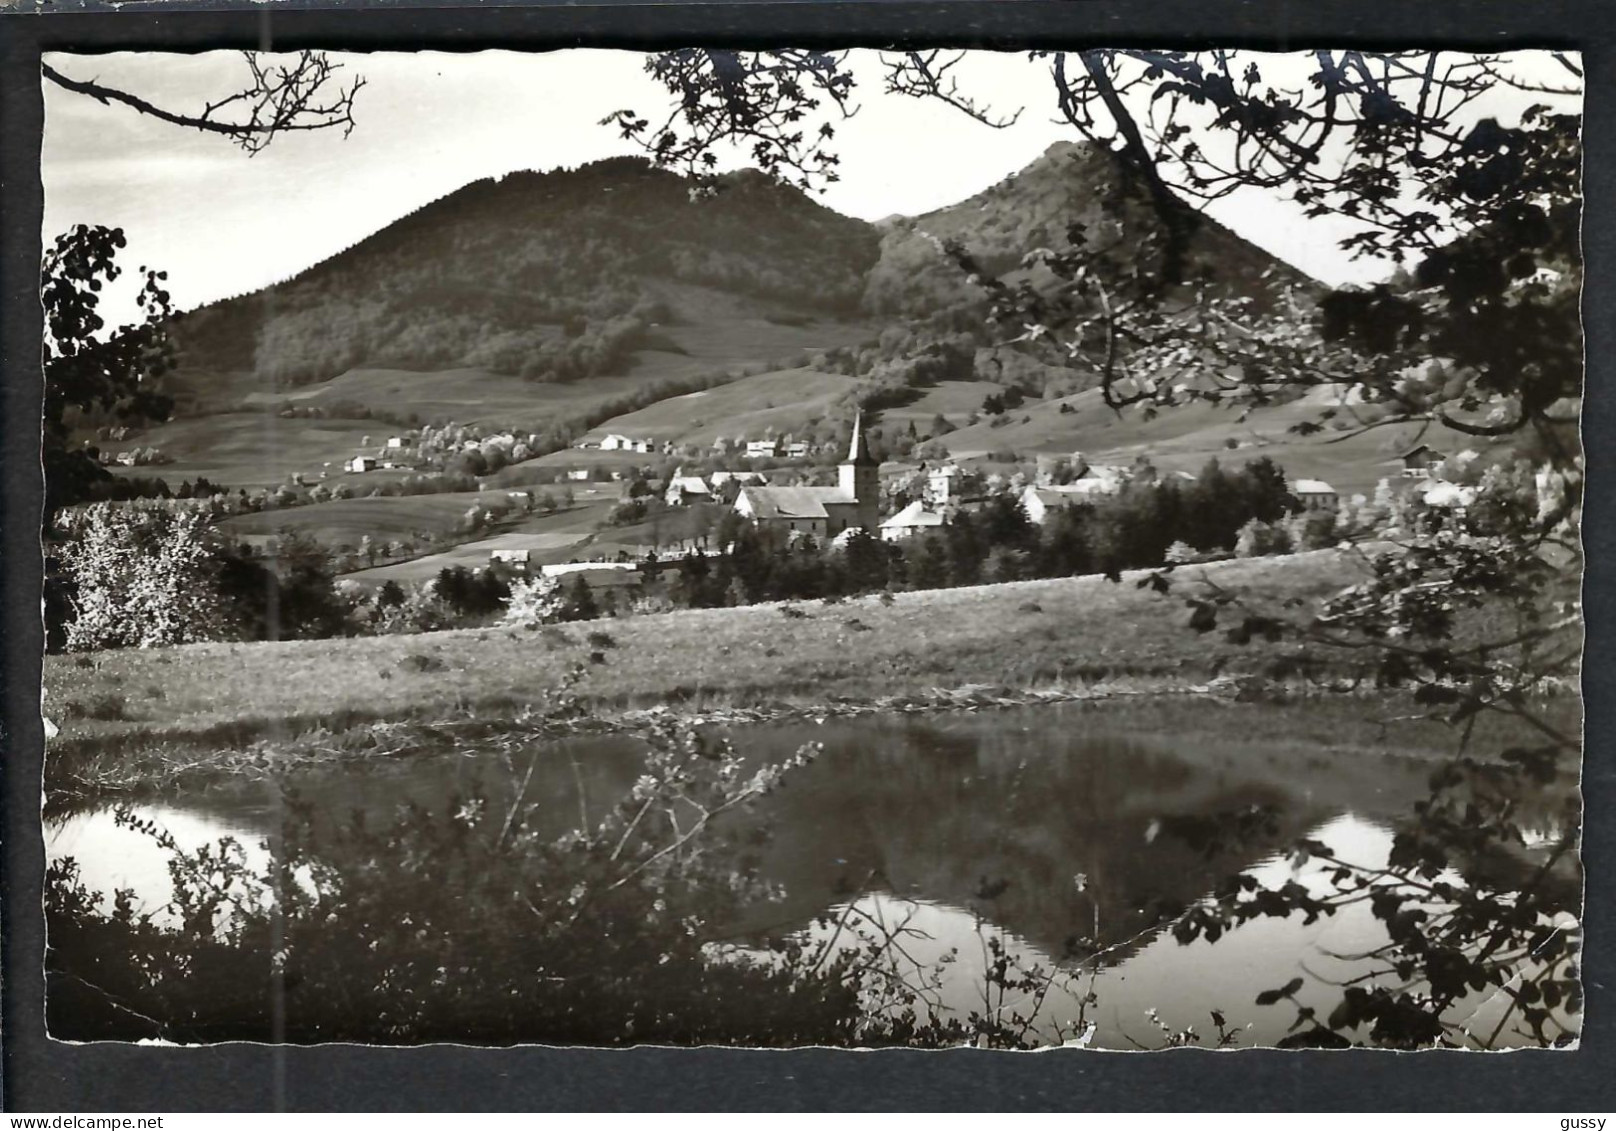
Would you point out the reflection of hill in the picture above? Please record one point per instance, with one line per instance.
(996, 812)
(1003, 819)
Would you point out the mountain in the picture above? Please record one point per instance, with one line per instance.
(1070, 184)
(610, 296)
(553, 276)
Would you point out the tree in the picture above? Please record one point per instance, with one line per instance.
(138, 578)
(88, 369)
(279, 95)
(535, 601)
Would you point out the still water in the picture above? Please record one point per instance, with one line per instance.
(1033, 826)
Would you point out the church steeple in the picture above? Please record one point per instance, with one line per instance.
(858, 452)
(860, 476)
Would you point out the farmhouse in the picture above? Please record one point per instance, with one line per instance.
(797, 449)
(578, 474)
(1039, 501)
(615, 442)
(911, 520)
(362, 463)
(686, 489)
(762, 449)
(395, 442)
(1422, 462)
(510, 557)
(744, 478)
(823, 512)
(1316, 495)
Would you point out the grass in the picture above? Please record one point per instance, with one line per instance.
(1084, 630)
(784, 401)
(343, 522)
(134, 720)
(954, 400)
(254, 449)
(466, 396)
(1184, 438)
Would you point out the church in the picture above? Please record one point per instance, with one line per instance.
(822, 512)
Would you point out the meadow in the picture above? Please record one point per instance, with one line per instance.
(1078, 631)
(749, 408)
(466, 396)
(255, 449)
(341, 523)
(1185, 437)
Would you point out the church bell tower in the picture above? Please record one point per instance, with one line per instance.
(859, 478)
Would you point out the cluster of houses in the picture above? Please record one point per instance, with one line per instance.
(778, 449)
(833, 513)
(683, 490)
(772, 448)
(395, 445)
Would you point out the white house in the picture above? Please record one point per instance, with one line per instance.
(578, 474)
(395, 442)
(744, 478)
(510, 557)
(1039, 501)
(1316, 495)
(797, 449)
(362, 463)
(762, 449)
(911, 520)
(686, 489)
(615, 442)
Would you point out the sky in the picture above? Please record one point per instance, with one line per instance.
(223, 223)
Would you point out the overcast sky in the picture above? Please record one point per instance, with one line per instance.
(222, 223)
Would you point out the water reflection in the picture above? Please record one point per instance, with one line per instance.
(1041, 827)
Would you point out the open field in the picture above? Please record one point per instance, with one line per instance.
(466, 396)
(953, 400)
(1024, 634)
(1184, 438)
(343, 522)
(747, 408)
(255, 449)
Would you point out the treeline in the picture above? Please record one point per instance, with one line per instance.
(130, 576)
(308, 346)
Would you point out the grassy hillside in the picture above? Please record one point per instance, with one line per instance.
(751, 407)
(343, 522)
(254, 449)
(1026, 634)
(1183, 439)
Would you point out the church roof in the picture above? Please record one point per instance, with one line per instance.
(792, 502)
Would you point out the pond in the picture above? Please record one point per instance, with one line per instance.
(1032, 826)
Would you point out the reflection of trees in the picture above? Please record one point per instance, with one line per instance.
(1004, 823)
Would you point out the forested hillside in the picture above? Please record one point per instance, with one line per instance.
(550, 276)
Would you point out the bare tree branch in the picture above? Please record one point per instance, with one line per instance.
(299, 96)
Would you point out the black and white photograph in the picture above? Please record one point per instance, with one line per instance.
(791, 547)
